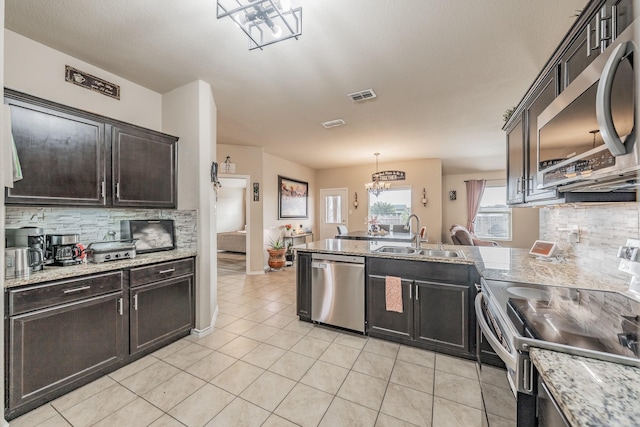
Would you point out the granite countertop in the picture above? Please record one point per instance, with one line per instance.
(387, 236)
(493, 263)
(57, 273)
(590, 392)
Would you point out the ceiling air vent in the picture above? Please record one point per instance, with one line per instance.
(333, 123)
(362, 95)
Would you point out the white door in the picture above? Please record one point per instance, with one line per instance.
(333, 211)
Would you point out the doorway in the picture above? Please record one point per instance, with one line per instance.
(233, 225)
(333, 211)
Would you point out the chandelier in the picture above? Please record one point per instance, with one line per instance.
(380, 180)
(264, 21)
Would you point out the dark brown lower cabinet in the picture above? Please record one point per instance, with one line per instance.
(63, 334)
(391, 324)
(436, 305)
(53, 348)
(303, 286)
(160, 311)
(442, 317)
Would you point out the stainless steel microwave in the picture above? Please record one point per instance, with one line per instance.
(587, 135)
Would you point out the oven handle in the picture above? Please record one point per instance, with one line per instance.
(506, 357)
(603, 102)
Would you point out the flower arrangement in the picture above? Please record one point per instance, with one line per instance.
(288, 227)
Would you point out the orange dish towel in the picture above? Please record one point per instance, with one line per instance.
(393, 293)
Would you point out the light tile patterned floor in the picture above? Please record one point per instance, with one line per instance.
(263, 367)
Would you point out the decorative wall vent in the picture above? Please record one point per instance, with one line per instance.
(362, 95)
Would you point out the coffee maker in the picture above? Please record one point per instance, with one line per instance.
(63, 249)
(28, 237)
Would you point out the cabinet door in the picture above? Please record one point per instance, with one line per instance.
(442, 316)
(388, 324)
(160, 312)
(543, 96)
(62, 157)
(303, 286)
(515, 163)
(144, 168)
(55, 347)
(580, 54)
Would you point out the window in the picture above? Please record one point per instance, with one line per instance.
(391, 207)
(333, 210)
(494, 216)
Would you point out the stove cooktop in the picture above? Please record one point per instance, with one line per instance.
(598, 321)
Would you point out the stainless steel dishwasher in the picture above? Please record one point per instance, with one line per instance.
(337, 290)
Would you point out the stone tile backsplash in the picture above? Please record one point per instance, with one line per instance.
(93, 224)
(603, 228)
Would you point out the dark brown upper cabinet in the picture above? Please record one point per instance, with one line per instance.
(71, 157)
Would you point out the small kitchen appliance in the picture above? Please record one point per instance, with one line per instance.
(63, 249)
(151, 235)
(99, 252)
(18, 262)
(31, 237)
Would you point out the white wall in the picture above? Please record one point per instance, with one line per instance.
(524, 226)
(248, 162)
(274, 166)
(190, 111)
(231, 213)
(421, 173)
(38, 70)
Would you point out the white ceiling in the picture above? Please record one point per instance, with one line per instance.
(444, 71)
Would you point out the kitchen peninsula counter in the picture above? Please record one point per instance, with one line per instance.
(590, 392)
(51, 273)
(493, 263)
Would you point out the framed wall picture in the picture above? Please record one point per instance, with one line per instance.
(293, 198)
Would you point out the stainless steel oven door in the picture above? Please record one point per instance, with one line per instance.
(498, 391)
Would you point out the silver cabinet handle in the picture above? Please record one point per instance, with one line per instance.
(603, 102)
(170, 270)
(135, 302)
(81, 288)
(120, 306)
(411, 291)
(102, 189)
(118, 191)
(417, 292)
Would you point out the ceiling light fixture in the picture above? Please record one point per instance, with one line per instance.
(264, 21)
(380, 180)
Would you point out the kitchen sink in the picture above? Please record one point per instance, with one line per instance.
(440, 253)
(397, 250)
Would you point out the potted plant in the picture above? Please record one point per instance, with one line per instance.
(276, 250)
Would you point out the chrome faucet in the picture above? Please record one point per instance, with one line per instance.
(408, 225)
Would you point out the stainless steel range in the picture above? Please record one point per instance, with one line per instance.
(604, 325)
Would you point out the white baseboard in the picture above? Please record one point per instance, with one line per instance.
(200, 333)
(255, 272)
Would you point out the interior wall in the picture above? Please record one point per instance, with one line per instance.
(524, 221)
(231, 210)
(274, 227)
(422, 173)
(38, 70)
(248, 162)
(190, 112)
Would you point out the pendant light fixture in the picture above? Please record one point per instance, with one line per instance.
(264, 21)
(375, 187)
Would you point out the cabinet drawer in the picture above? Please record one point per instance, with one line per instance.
(152, 273)
(31, 298)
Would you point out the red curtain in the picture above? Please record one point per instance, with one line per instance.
(475, 188)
